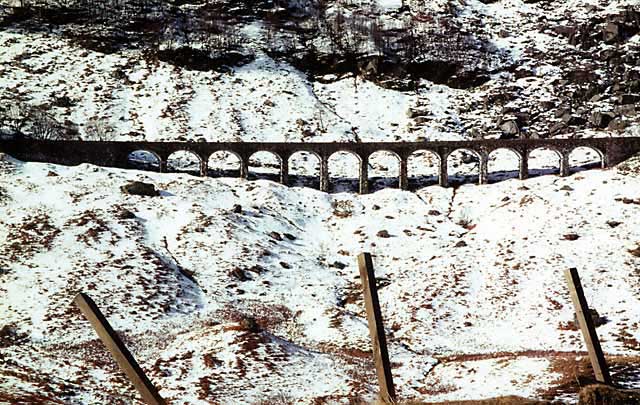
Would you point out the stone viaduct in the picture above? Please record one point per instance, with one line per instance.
(116, 154)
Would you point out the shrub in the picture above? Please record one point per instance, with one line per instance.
(98, 130)
(464, 220)
(342, 208)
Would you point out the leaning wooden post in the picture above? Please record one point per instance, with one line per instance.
(586, 326)
(376, 329)
(118, 350)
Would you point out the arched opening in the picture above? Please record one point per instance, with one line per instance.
(503, 164)
(264, 165)
(184, 161)
(143, 160)
(584, 158)
(423, 169)
(344, 170)
(384, 170)
(463, 166)
(223, 164)
(544, 161)
(304, 169)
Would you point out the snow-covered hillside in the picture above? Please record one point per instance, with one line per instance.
(544, 85)
(233, 291)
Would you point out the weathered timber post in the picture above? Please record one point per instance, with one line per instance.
(586, 326)
(364, 174)
(324, 174)
(118, 350)
(376, 329)
(403, 181)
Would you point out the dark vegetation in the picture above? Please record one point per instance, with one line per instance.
(323, 39)
(21, 120)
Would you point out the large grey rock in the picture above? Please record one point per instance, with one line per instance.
(595, 317)
(611, 32)
(628, 98)
(600, 119)
(628, 110)
(617, 124)
(510, 128)
(140, 188)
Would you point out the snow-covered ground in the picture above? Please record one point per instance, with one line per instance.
(273, 304)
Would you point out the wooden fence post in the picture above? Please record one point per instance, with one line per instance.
(376, 329)
(586, 326)
(118, 350)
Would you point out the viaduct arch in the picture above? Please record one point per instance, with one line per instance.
(115, 154)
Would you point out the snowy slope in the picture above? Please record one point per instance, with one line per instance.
(272, 101)
(274, 305)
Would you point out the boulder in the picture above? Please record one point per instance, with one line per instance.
(275, 235)
(595, 317)
(124, 213)
(510, 128)
(239, 274)
(557, 128)
(582, 76)
(140, 188)
(577, 120)
(338, 265)
(562, 112)
(600, 119)
(628, 99)
(10, 336)
(628, 110)
(611, 33)
(617, 124)
(468, 158)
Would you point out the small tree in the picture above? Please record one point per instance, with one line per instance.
(15, 118)
(98, 130)
(44, 126)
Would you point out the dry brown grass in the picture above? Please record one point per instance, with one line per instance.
(599, 394)
(509, 400)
